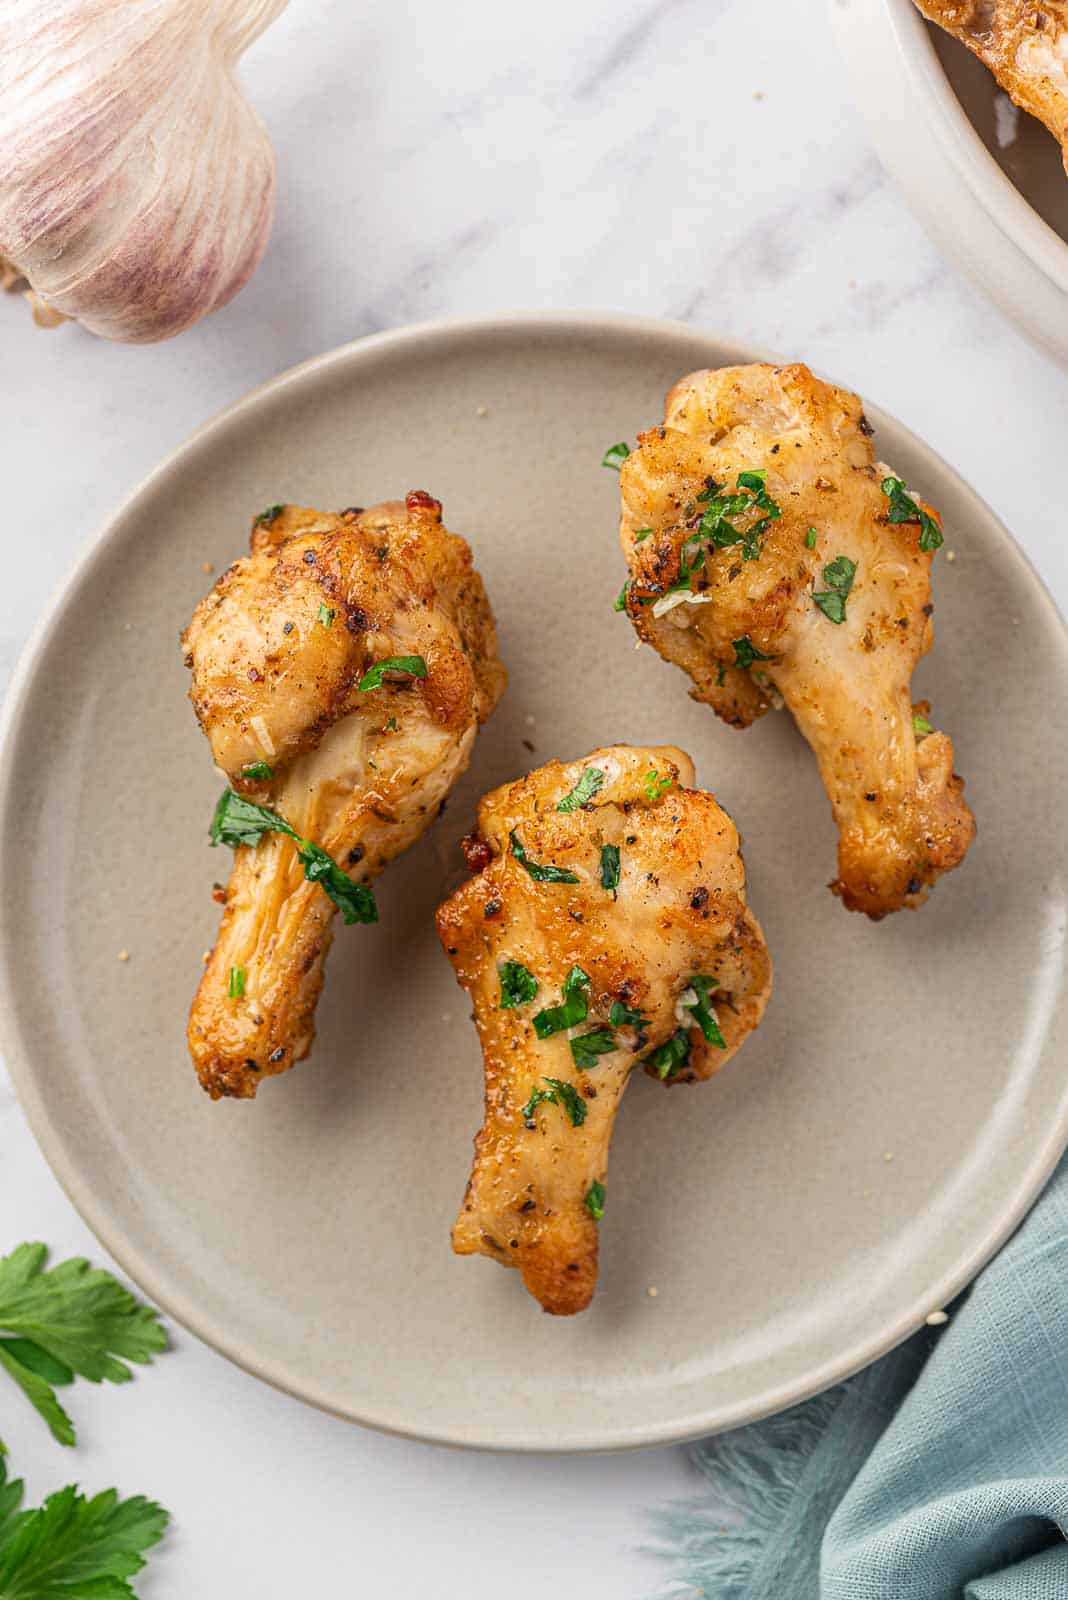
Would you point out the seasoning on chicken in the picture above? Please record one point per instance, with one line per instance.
(340, 672)
(1025, 46)
(606, 928)
(773, 560)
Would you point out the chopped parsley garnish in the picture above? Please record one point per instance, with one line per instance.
(903, 508)
(558, 1093)
(716, 525)
(810, 538)
(391, 726)
(746, 652)
(270, 514)
(257, 770)
(588, 1046)
(326, 617)
(656, 784)
(540, 873)
(518, 984)
(921, 725)
(595, 1199)
(838, 576)
(641, 534)
(415, 666)
(668, 1058)
(591, 779)
(236, 986)
(623, 1016)
(610, 866)
(721, 675)
(703, 1014)
(615, 456)
(238, 821)
(621, 598)
(574, 1009)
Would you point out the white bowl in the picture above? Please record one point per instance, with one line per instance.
(986, 181)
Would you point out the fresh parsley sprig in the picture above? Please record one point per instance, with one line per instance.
(716, 525)
(615, 456)
(610, 869)
(70, 1319)
(414, 666)
(587, 1047)
(71, 1547)
(595, 1199)
(238, 821)
(746, 652)
(903, 508)
(671, 1056)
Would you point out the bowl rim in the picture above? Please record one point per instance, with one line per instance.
(177, 1300)
(987, 181)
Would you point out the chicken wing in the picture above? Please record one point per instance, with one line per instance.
(340, 672)
(774, 561)
(1025, 46)
(606, 927)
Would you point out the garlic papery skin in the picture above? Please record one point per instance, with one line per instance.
(136, 181)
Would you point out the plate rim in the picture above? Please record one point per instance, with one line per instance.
(179, 1303)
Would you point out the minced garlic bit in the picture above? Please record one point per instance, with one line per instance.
(951, 555)
(482, 411)
(682, 597)
(124, 955)
(935, 1319)
(652, 1291)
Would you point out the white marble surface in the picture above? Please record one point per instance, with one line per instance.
(687, 158)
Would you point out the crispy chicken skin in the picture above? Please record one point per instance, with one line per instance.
(277, 651)
(679, 911)
(1025, 46)
(899, 808)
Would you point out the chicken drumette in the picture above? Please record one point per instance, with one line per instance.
(770, 556)
(606, 926)
(340, 672)
(1023, 44)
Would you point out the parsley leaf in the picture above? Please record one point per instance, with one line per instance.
(615, 456)
(703, 1014)
(838, 576)
(622, 1016)
(621, 598)
(920, 725)
(903, 508)
(746, 652)
(325, 616)
(655, 784)
(236, 985)
(716, 525)
(238, 821)
(610, 867)
(595, 1199)
(257, 770)
(518, 984)
(71, 1319)
(72, 1547)
(415, 666)
(575, 1007)
(670, 1056)
(642, 534)
(810, 538)
(270, 514)
(558, 1093)
(591, 779)
(540, 873)
(588, 1046)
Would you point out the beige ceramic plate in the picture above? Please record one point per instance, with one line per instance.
(851, 1170)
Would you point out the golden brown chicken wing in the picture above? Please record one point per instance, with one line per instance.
(770, 557)
(1025, 46)
(340, 672)
(606, 927)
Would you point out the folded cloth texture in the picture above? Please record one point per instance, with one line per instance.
(938, 1473)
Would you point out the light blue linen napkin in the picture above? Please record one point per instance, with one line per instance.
(939, 1473)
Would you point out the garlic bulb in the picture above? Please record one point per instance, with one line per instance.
(136, 181)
